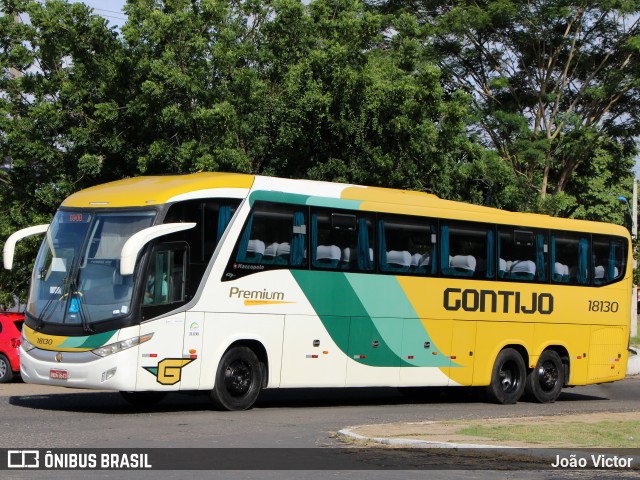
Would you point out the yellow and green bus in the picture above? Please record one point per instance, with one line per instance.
(233, 283)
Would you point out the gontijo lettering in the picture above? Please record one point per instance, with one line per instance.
(471, 300)
(255, 294)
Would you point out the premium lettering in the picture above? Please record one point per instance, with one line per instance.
(255, 294)
(503, 301)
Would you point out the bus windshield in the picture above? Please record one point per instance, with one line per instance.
(76, 277)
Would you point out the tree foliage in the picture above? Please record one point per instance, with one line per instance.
(279, 88)
(58, 97)
(555, 89)
(447, 97)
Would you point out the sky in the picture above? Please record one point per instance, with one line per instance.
(109, 9)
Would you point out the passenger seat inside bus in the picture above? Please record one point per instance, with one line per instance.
(255, 251)
(600, 275)
(282, 254)
(270, 253)
(397, 261)
(463, 265)
(503, 269)
(425, 263)
(560, 273)
(522, 270)
(327, 256)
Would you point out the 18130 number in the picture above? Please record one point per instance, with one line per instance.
(603, 306)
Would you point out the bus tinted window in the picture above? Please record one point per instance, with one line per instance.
(211, 217)
(467, 250)
(342, 240)
(522, 254)
(570, 258)
(609, 259)
(274, 236)
(407, 245)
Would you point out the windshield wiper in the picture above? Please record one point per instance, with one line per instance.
(44, 314)
(83, 311)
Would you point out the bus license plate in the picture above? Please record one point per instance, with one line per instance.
(59, 374)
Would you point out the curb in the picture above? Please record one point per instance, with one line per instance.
(406, 442)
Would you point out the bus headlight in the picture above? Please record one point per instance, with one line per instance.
(120, 346)
(25, 344)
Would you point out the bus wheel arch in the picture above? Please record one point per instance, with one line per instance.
(550, 374)
(240, 376)
(508, 375)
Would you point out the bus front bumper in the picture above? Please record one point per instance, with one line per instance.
(80, 369)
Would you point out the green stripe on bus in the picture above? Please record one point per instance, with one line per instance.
(395, 318)
(89, 342)
(298, 199)
(358, 329)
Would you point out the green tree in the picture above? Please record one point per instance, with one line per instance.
(194, 84)
(58, 102)
(327, 91)
(281, 88)
(356, 101)
(555, 89)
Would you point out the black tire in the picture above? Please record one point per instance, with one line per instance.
(238, 380)
(141, 399)
(545, 381)
(507, 378)
(6, 374)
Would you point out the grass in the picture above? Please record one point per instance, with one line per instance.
(608, 434)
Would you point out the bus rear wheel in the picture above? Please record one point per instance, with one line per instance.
(545, 381)
(507, 378)
(238, 380)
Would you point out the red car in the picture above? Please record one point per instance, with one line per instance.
(10, 328)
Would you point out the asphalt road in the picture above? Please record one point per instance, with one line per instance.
(46, 417)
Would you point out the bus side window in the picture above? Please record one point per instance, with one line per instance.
(522, 254)
(406, 245)
(166, 280)
(467, 250)
(609, 259)
(342, 241)
(570, 258)
(275, 236)
(212, 216)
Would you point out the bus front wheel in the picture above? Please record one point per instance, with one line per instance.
(507, 378)
(545, 381)
(238, 379)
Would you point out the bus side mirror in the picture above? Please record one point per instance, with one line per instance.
(10, 246)
(132, 247)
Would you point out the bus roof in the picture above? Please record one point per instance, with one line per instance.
(155, 190)
(158, 190)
